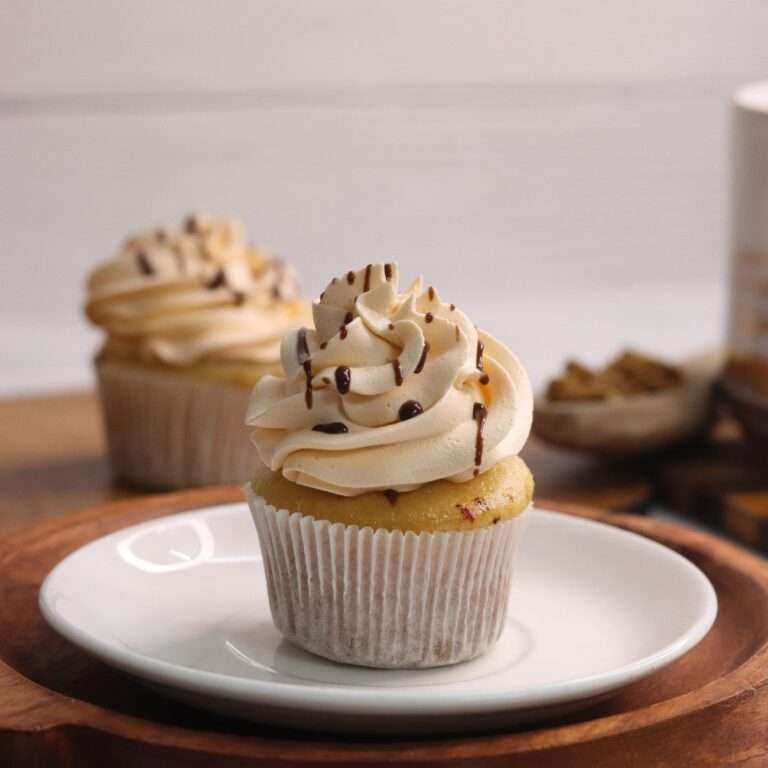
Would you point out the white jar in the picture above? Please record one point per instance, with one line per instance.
(745, 381)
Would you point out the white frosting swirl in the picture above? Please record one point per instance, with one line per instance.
(199, 293)
(467, 418)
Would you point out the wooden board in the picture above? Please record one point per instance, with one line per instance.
(60, 707)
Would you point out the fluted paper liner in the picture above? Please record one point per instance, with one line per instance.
(386, 598)
(172, 430)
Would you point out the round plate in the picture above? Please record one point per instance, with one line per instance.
(181, 603)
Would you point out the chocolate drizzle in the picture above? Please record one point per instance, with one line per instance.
(392, 496)
(144, 264)
(308, 391)
(479, 414)
(302, 348)
(479, 355)
(343, 378)
(305, 359)
(423, 359)
(350, 277)
(367, 281)
(409, 409)
(333, 428)
(429, 317)
(398, 372)
(217, 281)
(388, 271)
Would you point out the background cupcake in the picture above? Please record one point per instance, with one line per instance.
(391, 497)
(193, 319)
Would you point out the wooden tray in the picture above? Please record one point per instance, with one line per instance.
(60, 707)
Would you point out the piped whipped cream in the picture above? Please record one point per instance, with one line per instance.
(389, 392)
(197, 293)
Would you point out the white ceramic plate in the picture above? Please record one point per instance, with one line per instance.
(181, 603)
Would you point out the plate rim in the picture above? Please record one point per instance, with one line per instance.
(344, 698)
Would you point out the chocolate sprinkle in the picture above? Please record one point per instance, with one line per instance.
(191, 225)
(398, 372)
(308, 392)
(238, 297)
(392, 496)
(391, 326)
(367, 281)
(217, 281)
(350, 277)
(409, 409)
(334, 428)
(485, 379)
(453, 307)
(388, 271)
(324, 345)
(423, 359)
(145, 265)
(343, 378)
(479, 355)
(429, 317)
(496, 520)
(458, 333)
(431, 293)
(479, 414)
(343, 332)
(348, 318)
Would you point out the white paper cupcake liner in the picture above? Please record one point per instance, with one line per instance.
(170, 430)
(386, 598)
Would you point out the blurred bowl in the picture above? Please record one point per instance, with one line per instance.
(633, 424)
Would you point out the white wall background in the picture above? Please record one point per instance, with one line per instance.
(558, 168)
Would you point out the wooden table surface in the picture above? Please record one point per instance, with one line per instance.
(53, 461)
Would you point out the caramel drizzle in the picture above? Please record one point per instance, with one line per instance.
(332, 428)
(367, 281)
(479, 355)
(388, 271)
(343, 376)
(479, 414)
(423, 359)
(398, 372)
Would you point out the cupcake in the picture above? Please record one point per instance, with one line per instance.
(390, 497)
(193, 319)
